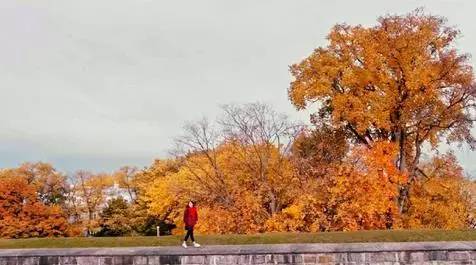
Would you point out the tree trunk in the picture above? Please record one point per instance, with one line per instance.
(402, 167)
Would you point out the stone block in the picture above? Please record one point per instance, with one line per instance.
(309, 258)
(418, 257)
(139, 260)
(67, 260)
(153, 260)
(245, 259)
(87, 260)
(341, 257)
(193, 260)
(280, 259)
(49, 260)
(437, 255)
(210, 259)
(105, 261)
(117, 260)
(285, 258)
(458, 255)
(356, 257)
(325, 258)
(128, 260)
(170, 259)
(8, 260)
(269, 259)
(225, 259)
(461, 262)
(258, 259)
(383, 257)
(297, 258)
(403, 257)
(28, 261)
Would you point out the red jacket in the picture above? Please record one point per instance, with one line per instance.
(190, 216)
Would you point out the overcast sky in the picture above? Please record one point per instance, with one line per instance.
(104, 83)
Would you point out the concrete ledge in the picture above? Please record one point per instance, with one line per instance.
(247, 249)
(422, 253)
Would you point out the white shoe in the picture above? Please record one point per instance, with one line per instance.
(196, 245)
(184, 244)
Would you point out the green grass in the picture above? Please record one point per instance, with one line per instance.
(268, 238)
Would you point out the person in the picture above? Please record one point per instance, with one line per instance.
(190, 218)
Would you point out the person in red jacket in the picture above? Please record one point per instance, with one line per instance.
(190, 218)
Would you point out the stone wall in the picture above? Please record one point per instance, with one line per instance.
(354, 253)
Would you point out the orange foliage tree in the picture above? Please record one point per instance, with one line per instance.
(316, 152)
(401, 81)
(363, 193)
(438, 200)
(22, 214)
(359, 193)
(50, 184)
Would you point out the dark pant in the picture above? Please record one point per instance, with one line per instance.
(189, 233)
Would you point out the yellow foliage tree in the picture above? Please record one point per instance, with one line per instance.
(241, 209)
(87, 195)
(239, 175)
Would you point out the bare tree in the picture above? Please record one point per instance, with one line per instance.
(254, 133)
(88, 195)
(200, 138)
(259, 128)
(125, 178)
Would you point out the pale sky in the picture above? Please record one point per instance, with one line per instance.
(96, 85)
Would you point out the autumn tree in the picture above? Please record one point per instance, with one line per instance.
(439, 200)
(256, 132)
(209, 173)
(236, 168)
(363, 192)
(317, 151)
(22, 214)
(401, 81)
(125, 178)
(243, 211)
(87, 196)
(115, 218)
(50, 184)
(157, 203)
(469, 191)
(359, 193)
(196, 149)
(316, 155)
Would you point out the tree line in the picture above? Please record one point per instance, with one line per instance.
(384, 98)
